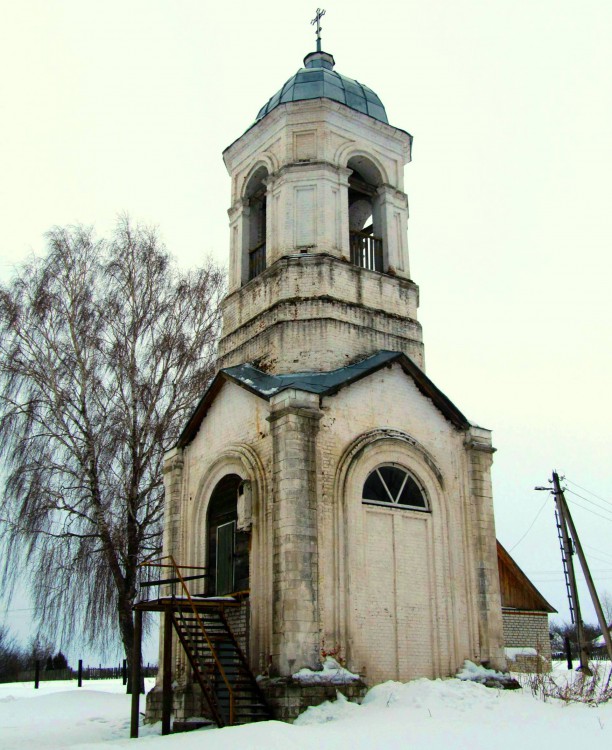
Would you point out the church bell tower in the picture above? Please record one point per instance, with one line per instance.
(338, 502)
(319, 268)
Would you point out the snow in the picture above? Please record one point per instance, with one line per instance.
(419, 715)
(512, 653)
(330, 673)
(61, 715)
(478, 673)
(268, 391)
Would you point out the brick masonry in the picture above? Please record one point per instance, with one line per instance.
(238, 618)
(321, 310)
(527, 630)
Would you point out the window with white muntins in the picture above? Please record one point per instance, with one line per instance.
(392, 485)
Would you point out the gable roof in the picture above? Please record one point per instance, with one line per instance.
(517, 591)
(328, 383)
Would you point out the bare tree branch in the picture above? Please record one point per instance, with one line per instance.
(105, 347)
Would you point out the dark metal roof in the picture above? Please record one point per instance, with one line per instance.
(318, 80)
(322, 383)
(265, 386)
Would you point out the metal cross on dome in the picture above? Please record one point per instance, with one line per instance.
(317, 20)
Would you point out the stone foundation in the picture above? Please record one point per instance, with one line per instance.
(289, 698)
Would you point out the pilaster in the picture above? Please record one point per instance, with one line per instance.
(171, 543)
(294, 421)
(393, 207)
(173, 484)
(307, 205)
(491, 636)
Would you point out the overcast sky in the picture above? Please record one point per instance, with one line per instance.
(126, 106)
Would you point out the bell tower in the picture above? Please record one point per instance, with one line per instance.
(334, 496)
(319, 268)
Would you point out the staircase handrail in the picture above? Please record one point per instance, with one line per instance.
(205, 634)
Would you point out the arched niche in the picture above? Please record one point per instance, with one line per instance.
(391, 559)
(241, 461)
(365, 216)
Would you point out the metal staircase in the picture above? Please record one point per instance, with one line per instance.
(219, 665)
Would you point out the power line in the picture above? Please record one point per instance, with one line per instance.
(603, 499)
(586, 499)
(601, 581)
(606, 518)
(597, 558)
(601, 552)
(545, 572)
(530, 526)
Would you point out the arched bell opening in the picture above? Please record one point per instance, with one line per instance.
(365, 224)
(255, 216)
(227, 547)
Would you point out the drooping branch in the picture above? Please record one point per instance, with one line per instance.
(105, 347)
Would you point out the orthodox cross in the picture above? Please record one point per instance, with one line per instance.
(317, 20)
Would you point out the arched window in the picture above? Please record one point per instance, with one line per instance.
(228, 548)
(365, 230)
(255, 234)
(393, 485)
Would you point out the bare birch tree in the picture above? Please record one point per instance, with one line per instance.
(105, 348)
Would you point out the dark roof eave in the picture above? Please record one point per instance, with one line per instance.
(198, 414)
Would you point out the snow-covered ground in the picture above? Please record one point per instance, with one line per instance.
(420, 715)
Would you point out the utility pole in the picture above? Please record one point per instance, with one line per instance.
(587, 575)
(567, 552)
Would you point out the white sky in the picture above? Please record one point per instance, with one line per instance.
(126, 106)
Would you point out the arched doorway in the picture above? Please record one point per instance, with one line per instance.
(227, 547)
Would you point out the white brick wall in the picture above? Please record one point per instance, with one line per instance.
(527, 630)
(312, 312)
(396, 590)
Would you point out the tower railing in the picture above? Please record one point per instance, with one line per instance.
(366, 251)
(257, 260)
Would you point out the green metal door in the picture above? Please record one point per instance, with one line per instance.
(225, 558)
